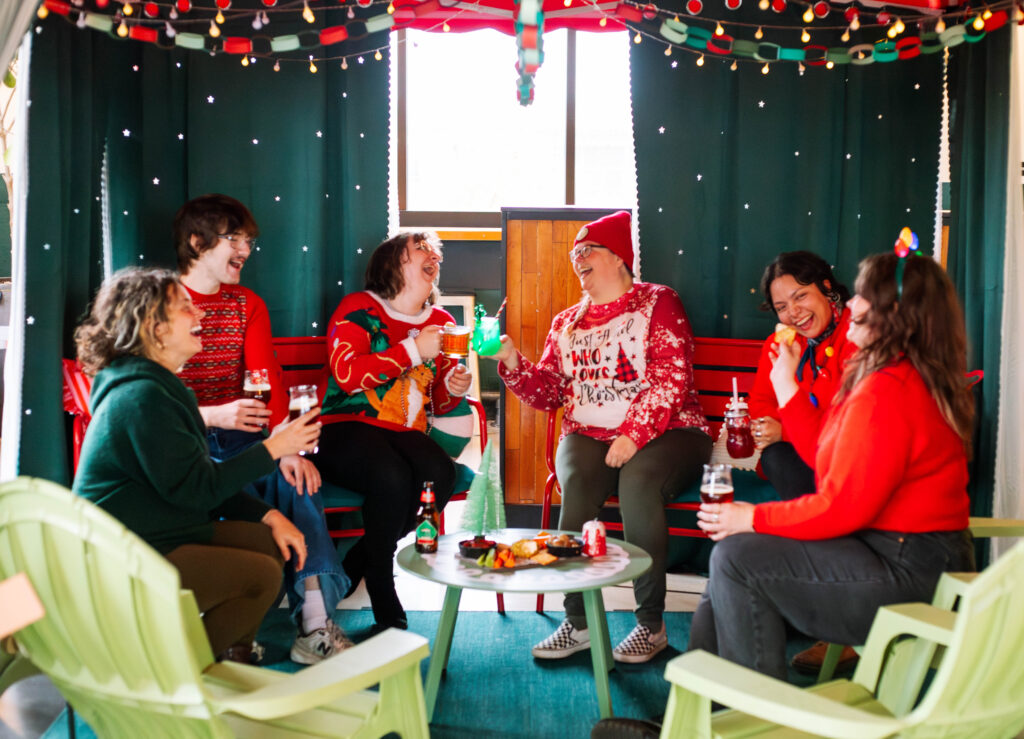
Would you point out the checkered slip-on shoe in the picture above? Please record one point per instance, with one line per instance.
(641, 644)
(565, 641)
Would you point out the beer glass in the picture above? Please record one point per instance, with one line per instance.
(455, 341)
(301, 399)
(257, 387)
(716, 484)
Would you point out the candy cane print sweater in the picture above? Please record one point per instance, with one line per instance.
(626, 368)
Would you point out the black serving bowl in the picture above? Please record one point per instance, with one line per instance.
(571, 551)
(473, 548)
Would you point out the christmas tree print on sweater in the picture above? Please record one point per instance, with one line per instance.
(607, 363)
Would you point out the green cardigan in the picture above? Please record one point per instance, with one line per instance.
(145, 459)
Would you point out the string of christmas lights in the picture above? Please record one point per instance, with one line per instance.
(163, 24)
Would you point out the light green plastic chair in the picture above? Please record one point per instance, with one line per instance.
(980, 527)
(126, 647)
(976, 692)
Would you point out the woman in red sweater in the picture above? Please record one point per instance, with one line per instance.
(800, 288)
(891, 510)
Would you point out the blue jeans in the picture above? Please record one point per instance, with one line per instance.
(828, 589)
(305, 511)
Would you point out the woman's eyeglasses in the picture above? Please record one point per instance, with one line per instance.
(426, 248)
(582, 251)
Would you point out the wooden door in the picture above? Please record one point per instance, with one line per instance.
(539, 283)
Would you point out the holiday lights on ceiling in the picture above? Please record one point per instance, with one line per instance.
(916, 27)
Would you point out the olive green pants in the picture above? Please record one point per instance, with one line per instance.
(652, 478)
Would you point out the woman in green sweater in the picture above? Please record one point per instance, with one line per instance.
(145, 459)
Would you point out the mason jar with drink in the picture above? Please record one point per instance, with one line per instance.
(256, 386)
(716, 484)
(302, 399)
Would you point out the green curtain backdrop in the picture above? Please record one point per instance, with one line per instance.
(736, 166)
(979, 84)
(306, 152)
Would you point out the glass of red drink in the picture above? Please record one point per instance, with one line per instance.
(301, 399)
(716, 484)
(739, 441)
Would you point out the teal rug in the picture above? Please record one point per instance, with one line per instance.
(494, 687)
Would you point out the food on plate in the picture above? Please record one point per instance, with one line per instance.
(565, 546)
(475, 547)
(525, 548)
(784, 334)
(544, 558)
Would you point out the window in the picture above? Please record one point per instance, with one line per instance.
(466, 147)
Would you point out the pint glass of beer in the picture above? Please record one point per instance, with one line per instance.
(257, 386)
(716, 484)
(301, 399)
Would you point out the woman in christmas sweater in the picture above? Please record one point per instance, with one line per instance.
(801, 290)
(387, 372)
(145, 458)
(620, 364)
(891, 508)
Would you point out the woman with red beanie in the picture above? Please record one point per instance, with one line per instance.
(619, 363)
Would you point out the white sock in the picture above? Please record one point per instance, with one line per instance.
(314, 612)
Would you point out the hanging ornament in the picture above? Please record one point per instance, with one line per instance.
(312, 67)
(257, 22)
(43, 12)
(700, 61)
(668, 50)
(603, 22)
(821, 9)
(102, 4)
(694, 7)
(127, 9)
(152, 10)
(940, 26)
(883, 17)
(846, 36)
(637, 39)
(805, 36)
(351, 12)
(219, 18)
(378, 56)
(173, 13)
(759, 34)
(223, 4)
(245, 61)
(307, 14)
(344, 63)
(214, 30)
(391, 8)
(122, 30)
(80, 21)
(808, 15)
(778, 6)
(650, 12)
(828, 65)
(169, 31)
(184, 6)
(719, 31)
(763, 4)
(734, 66)
(269, 3)
(764, 69)
(899, 25)
(733, 4)
(364, 3)
(277, 65)
(978, 23)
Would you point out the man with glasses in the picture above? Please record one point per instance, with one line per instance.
(214, 237)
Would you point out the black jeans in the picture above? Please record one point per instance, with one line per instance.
(786, 471)
(389, 468)
(828, 589)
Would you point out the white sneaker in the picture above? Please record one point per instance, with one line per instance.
(565, 641)
(641, 644)
(319, 644)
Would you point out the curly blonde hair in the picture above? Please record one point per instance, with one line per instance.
(124, 316)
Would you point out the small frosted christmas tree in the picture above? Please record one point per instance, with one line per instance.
(485, 503)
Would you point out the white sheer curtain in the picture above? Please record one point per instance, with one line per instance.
(15, 17)
(1009, 477)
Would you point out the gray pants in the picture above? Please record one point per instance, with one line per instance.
(652, 478)
(828, 589)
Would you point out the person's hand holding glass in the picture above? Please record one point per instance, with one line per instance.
(719, 515)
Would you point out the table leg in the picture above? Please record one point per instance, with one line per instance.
(442, 646)
(600, 648)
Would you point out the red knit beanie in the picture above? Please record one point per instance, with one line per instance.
(613, 233)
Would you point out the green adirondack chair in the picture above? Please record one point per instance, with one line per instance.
(126, 647)
(976, 690)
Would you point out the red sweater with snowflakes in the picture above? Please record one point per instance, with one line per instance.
(236, 337)
(886, 459)
(830, 355)
(377, 374)
(625, 369)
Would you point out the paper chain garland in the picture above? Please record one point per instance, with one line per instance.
(529, 27)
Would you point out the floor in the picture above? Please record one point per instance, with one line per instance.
(29, 707)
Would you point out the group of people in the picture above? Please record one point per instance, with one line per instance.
(863, 424)
(215, 480)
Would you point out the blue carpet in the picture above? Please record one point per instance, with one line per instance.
(494, 687)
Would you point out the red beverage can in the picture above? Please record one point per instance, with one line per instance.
(595, 543)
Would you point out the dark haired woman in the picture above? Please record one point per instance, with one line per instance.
(891, 510)
(384, 349)
(801, 290)
(146, 462)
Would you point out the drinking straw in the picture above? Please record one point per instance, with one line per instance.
(501, 307)
(735, 394)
